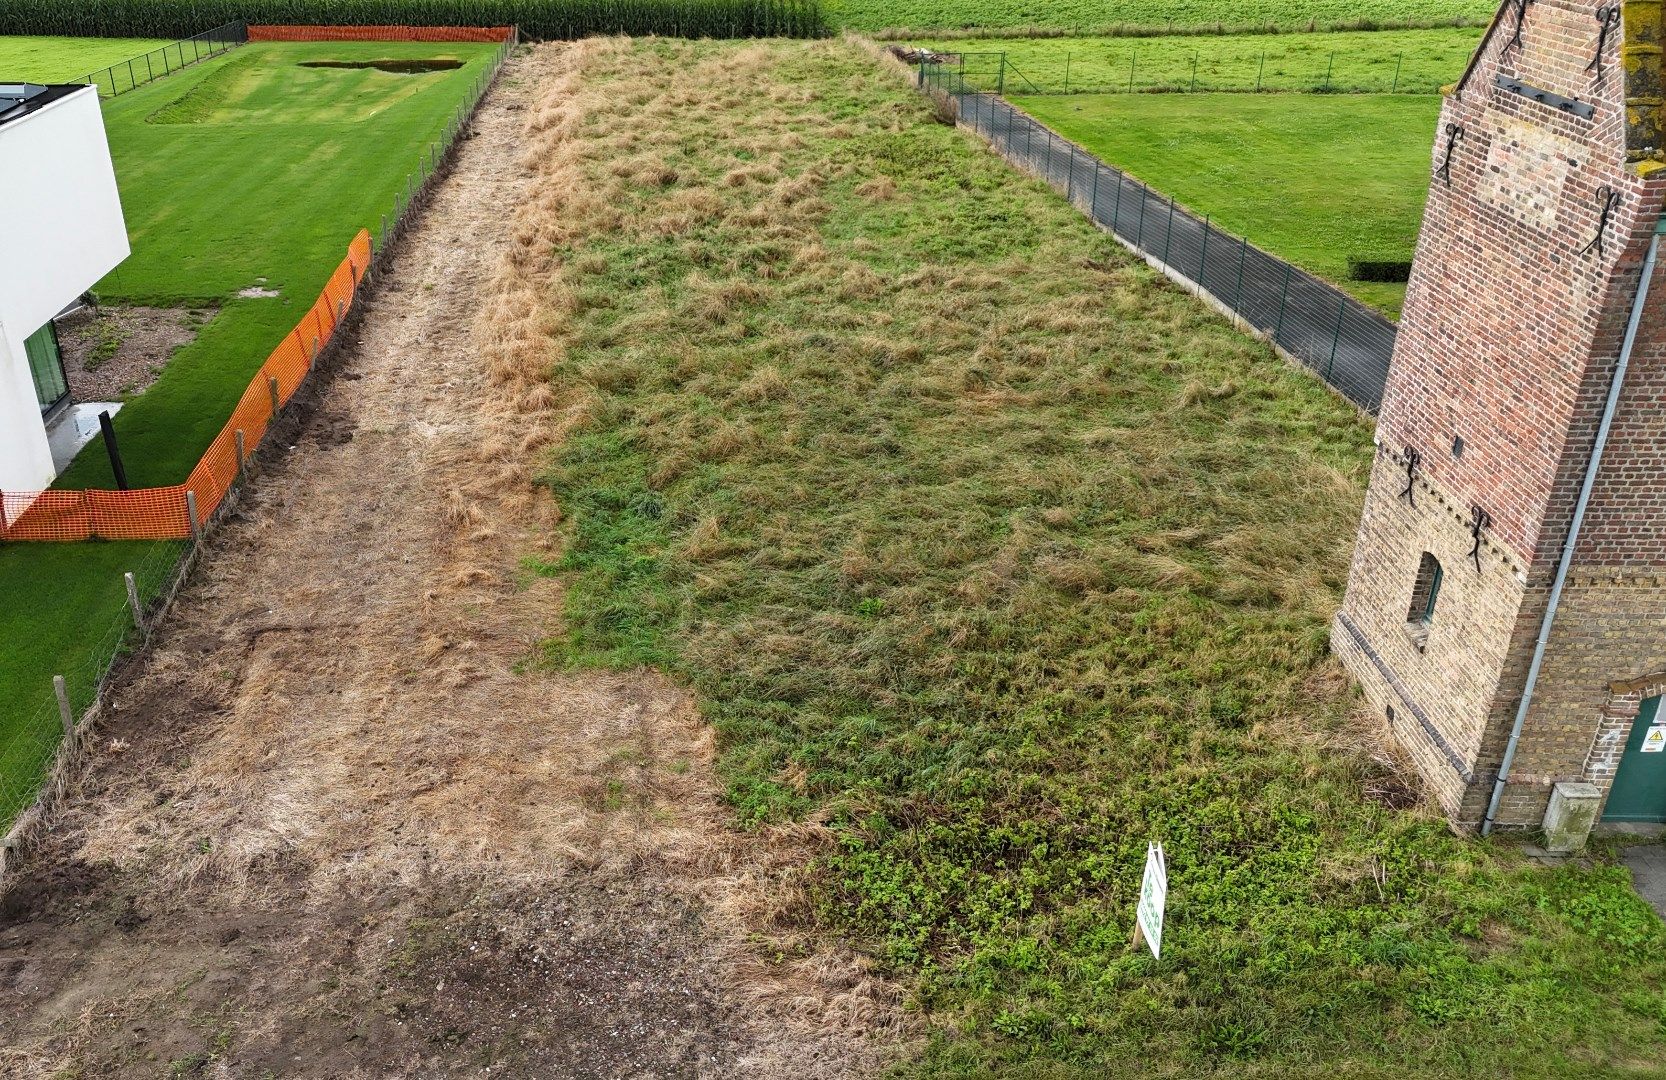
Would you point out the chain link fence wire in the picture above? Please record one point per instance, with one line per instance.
(1202, 71)
(148, 67)
(1324, 329)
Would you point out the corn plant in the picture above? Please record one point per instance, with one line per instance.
(536, 18)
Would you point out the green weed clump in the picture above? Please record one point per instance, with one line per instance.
(992, 556)
(536, 18)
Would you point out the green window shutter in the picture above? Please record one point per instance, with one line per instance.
(46, 366)
(1434, 595)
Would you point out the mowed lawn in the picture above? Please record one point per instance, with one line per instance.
(1312, 178)
(247, 169)
(1408, 61)
(1089, 15)
(992, 556)
(65, 59)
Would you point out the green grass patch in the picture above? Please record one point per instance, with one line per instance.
(266, 174)
(1406, 61)
(1084, 16)
(1314, 179)
(66, 59)
(983, 544)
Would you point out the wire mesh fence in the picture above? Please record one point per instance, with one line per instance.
(40, 728)
(1338, 338)
(35, 726)
(1132, 71)
(148, 67)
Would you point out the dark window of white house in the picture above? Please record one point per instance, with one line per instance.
(46, 367)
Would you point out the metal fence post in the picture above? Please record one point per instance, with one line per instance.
(1194, 72)
(1203, 259)
(1238, 293)
(1131, 56)
(1067, 73)
(1398, 60)
(191, 509)
(1336, 335)
(65, 713)
(1139, 236)
(1329, 66)
(1116, 207)
(1260, 70)
(1283, 295)
(1093, 202)
(1168, 235)
(1001, 78)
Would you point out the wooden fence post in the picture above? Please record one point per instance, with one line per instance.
(65, 713)
(133, 600)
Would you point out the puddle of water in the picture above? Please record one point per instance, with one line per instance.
(398, 67)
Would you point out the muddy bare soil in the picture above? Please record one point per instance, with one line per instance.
(341, 823)
(112, 352)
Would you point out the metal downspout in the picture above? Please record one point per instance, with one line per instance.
(1565, 560)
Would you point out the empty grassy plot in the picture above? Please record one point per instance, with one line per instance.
(992, 556)
(65, 59)
(1407, 61)
(1085, 16)
(1314, 179)
(247, 171)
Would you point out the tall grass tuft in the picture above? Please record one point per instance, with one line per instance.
(547, 19)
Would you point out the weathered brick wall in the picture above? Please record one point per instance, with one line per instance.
(1512, 329)
(1509, 328)
(1443, 692)
(1609, 628)
(1625, 526)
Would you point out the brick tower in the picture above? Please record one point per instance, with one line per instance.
(1520, 469)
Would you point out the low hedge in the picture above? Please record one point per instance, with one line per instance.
(1397, 270)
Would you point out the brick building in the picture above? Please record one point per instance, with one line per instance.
(1526, 407)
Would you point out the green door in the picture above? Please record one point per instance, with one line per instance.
(46, 366)
(1639, 791)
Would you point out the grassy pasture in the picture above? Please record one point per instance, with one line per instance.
(1312, 178)
(1414, 61)
(994, 555)
(246, 167)
(61, 59)
(1207, 15)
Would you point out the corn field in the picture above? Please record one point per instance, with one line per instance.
(536, 18)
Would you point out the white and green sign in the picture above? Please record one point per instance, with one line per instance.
(1154, 892)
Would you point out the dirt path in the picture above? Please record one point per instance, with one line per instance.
(335, 827)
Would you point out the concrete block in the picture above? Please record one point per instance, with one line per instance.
(1572, 812)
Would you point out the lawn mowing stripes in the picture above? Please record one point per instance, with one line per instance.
(549, 19)
(1338, 338)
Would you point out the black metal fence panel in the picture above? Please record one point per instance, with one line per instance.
(1335, 336)
(135, 72)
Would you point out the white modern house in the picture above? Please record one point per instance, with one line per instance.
(61, 230)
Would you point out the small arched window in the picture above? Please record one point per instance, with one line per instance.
(1425, 594)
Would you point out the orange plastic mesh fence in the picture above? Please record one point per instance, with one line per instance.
(379, 33)
(161, 513)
